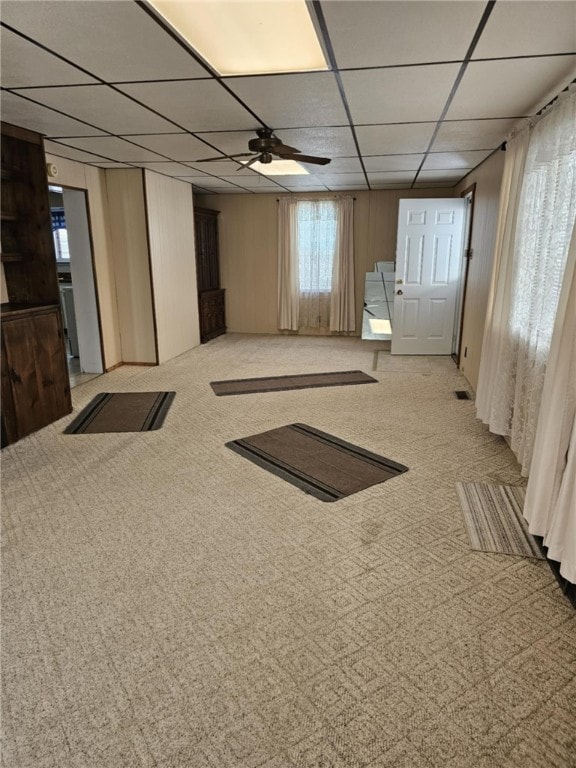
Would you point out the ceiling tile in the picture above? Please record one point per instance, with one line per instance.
(168, 169)
(395, 95)
(197, 178)
(510, 88)
(229, 191)
(390, 186)
(35, 117)
(528, 28)
(399, 177)
(393, 162)
(110, 166)
(343, 179)
(114, 148)
(304, 190)
(397, 139)
(210, 182)
(254, 180)
(113, 40)
(349, 188)
(304, 184)
(72, 153)
(298, 100)
(228, 142)
(196, 105)
(176, 146)
(463, 135)
(445, 160)
(371, 34)
(23, 63)
(220, 168)
(446, 176)
(323, 142)
(434, 185)
(101, 106)
(337, 165)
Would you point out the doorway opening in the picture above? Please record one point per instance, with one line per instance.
(78, 298)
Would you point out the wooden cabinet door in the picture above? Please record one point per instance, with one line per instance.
(207, 268)
(35, 365)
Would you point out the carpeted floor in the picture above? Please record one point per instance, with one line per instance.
(166, 606)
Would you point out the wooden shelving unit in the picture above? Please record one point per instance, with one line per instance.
(211, 298)
(35, 385)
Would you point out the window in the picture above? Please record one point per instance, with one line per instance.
(316, 244)
(316, 265)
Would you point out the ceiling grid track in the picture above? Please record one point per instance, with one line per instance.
(318, 12)
(100, 81)
(480, 28)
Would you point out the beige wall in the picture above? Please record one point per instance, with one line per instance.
(172, 257)
(487, 178)
(93, 180)
(248, 232)
(128, 236)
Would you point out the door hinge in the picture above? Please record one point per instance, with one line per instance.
(468, 253)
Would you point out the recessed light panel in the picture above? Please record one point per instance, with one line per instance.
(279, 168)
(237, 37)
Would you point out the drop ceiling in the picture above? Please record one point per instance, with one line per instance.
(418, 93)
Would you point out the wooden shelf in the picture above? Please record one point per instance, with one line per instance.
(5, 257)
(11, 174)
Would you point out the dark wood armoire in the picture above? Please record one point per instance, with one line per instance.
(211, 304)
(35, 384)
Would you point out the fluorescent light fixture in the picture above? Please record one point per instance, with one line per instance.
(380, 326)
(278, 168)
(241, 37)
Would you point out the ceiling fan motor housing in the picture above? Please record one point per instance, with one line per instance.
(263, 144)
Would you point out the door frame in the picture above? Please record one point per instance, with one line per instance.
(470, 193)
(84, 191)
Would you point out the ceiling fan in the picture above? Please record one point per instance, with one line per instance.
(266, 146)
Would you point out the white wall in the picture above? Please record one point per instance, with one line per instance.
(172, 257)
(129, 241)
(487, 178)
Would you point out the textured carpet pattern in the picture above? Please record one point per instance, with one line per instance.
(493, 519)
(388, 363)
(284, 383)
(160, 614)
(320, 464)
(122, 412)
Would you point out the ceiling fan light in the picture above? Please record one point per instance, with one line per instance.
(241, 37)
(278, 168)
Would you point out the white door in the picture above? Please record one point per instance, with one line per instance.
(428, 262)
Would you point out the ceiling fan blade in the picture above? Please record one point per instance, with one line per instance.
(283, 149)
(226, 157)
(249, 163)
(308, 159)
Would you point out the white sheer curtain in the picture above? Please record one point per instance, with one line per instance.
(288, 292)
(550, 506)
(317, 224)
(316, 265)
(528, 277)
(502, 272)
(342, 305)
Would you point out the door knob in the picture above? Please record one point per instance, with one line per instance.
(400, 293)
